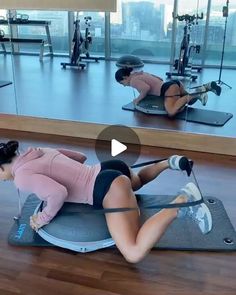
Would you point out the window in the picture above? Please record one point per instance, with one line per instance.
(216, 34)
(58, 29)
(3, 16)
(143, 28)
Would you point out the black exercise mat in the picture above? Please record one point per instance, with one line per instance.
(5, 83)
(21, 233)
(183, 234)
(207, 117)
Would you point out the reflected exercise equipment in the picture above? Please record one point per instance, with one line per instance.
(76, 44)
(2, 34)
(225, 12)
(80, 45)
(87, 41)
(186, 50)
(4, 83)
(19, 17)
(129, 61)
(14, 21)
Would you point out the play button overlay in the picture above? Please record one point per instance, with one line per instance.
(118, 142)
(117, 147)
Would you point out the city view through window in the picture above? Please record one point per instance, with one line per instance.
(144, 28)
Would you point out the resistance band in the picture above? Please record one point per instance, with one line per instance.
(188, 169)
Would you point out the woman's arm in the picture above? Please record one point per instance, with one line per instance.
(47, 190)
(142, 87)
(77, 156)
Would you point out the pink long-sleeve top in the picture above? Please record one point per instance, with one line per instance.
(146, 84)
(55, 176)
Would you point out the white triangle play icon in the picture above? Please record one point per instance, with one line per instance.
(117, 147)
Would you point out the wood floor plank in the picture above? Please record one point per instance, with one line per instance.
(45, 285)
(7, 285)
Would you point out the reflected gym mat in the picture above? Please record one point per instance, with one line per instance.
(208, 117)
(183, 233)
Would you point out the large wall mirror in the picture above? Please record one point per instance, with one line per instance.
(218, 58)
(8, 95)
(41, 41)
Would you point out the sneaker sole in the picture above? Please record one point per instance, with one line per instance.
(209, 217)
(191, 187)
(193, 190)
(204, 99)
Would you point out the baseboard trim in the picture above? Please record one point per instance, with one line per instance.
(148, 136)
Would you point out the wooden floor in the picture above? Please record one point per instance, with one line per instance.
(36, 271)
(93, 95)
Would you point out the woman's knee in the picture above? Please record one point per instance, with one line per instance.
(171, 110)
(134, 254)
(136, 181)
(171, 97)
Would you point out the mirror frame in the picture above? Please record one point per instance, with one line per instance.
(149, 137)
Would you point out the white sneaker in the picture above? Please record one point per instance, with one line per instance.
(182, 163)
(199, 213)
(213, 87)
(203, 98)
(201, 91)
(174, 162)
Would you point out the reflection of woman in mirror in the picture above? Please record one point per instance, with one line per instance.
(58, 175)
(173, 92)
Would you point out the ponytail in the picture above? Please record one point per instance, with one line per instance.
(121, 73)
(8, 151)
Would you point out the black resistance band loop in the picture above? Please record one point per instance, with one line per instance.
(124, 209)
(186, 165)
(190, 94)
(93, 210)
(147, 163)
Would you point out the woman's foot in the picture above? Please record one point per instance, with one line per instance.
(213, 87)
(198, 213)
(182, 163)
(203, 98)
(201, 93)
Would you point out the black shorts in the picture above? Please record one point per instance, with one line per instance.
(167, 85)
(109, 171)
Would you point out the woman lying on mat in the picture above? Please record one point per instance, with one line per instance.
(59, 175)
(174, 94)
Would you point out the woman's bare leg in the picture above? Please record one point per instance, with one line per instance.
(133, 240)
(182, 89)
(147, 174)
(174, 102)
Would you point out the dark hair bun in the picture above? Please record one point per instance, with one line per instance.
(8, 150)
(129, 70)
(121, 73)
